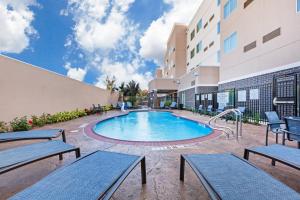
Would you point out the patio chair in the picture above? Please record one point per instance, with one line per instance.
(292, 129)
(173, 105)
(241, 109)
(14, 158)
(96, 109)
(95, 176)
(162, 105)
(32, 135)
(129, 104)
(209, 108)
(200, 109)
(274, 124)
(220, 109)
(232, 116)
(101, 109)
(278, 153)
(119, 105)
(228, 177)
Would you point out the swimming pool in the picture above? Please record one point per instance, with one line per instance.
(151, 127)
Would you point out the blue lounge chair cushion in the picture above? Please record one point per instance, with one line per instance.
(162, 104)
(129, 104)
(26, 153)
(233, 178)
(292, 155)
(52, 133)
(86, 178)
(173, 105)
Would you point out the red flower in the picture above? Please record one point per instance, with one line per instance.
(30, 121)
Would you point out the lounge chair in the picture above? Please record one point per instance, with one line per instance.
(242, 109)
(278, 153)
(200, 109)
(119, 105)
(220, 109)
(101, 109)
(95, 176)
(209, 108)
(173, 105)
(292, 129)
(228, 177)
(96, 109)
(31, 135)
(162, 105)
(232, 116)
(274, 124)
(13, 158)
(129, 104)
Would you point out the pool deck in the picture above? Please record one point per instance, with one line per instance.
(162, 161)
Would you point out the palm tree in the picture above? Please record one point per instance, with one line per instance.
(122, 90)
(133, 88)
(110, 84)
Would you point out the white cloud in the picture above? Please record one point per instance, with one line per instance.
(99, 24)
(124, 72)
(153, 43)
(107, 39)
(75, 73)
(15, 22)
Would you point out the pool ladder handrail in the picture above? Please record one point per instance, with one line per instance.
(227, 130)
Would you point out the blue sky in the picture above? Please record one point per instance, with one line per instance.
(89, 40)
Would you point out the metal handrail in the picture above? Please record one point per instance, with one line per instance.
(238, 118)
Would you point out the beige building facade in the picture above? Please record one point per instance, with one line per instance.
(260, 60)
(192, 59)
(165, 84)
(29, 90)
(203, 55)
(203, 36)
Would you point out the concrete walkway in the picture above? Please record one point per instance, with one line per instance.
(162, 162)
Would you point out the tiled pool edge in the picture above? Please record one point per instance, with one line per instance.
(88, 130)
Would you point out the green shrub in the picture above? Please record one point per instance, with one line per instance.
(20, 124)
(38, 121)
(256, 118)
(3, 127)
(168, 103)
(108, 107)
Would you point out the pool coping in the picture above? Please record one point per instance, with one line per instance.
(88, 130)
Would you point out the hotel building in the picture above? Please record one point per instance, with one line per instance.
(192, 59)
(260, 54)
(243, 53)
(165, 84)
(203, 56)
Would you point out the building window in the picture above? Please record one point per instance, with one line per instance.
(218, 2)
(199, 25)
(229, 7)
(199, 47)
(192, 53)
(230, 43)
(218, 28)
(192, 35)
(298, 5)
(219, 56)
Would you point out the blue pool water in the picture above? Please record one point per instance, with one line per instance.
(151, 126)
